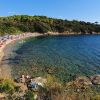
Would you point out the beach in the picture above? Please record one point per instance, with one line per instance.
(5, 71)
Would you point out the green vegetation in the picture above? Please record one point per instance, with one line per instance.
(29, 95)
(9, 90)
(42, 24)
(7, 86)
(52, 90)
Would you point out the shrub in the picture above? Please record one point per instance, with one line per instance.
(7, 86)
(29, 95)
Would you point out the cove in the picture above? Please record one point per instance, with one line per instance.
(62, 56)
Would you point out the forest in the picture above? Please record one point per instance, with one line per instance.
(43, 24)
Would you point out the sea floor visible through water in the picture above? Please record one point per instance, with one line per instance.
(62, 56)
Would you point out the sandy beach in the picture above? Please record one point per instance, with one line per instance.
(5, 71)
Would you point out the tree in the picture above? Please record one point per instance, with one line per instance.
(43, 24)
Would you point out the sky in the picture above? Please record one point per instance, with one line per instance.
(85, 10)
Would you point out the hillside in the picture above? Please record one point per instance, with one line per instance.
(42, 24)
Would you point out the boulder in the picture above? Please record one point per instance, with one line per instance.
(83, 80)
(95, 79)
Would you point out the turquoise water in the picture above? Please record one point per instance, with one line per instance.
(63, 56)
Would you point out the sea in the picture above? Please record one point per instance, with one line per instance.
(62, 56)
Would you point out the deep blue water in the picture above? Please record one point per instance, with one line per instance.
(65, 55)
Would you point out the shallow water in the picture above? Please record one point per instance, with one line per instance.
(63, 56)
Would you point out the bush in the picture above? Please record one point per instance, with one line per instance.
(29, 95)
(7, 86)
(97, 97)
(12, 30)
(43, 24)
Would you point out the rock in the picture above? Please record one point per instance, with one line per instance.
(95, 79)
(40, 81)
(83, 80)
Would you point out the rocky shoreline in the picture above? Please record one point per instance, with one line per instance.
(92, 80)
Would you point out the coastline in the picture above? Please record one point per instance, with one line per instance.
(4, 71)
(69, 34)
